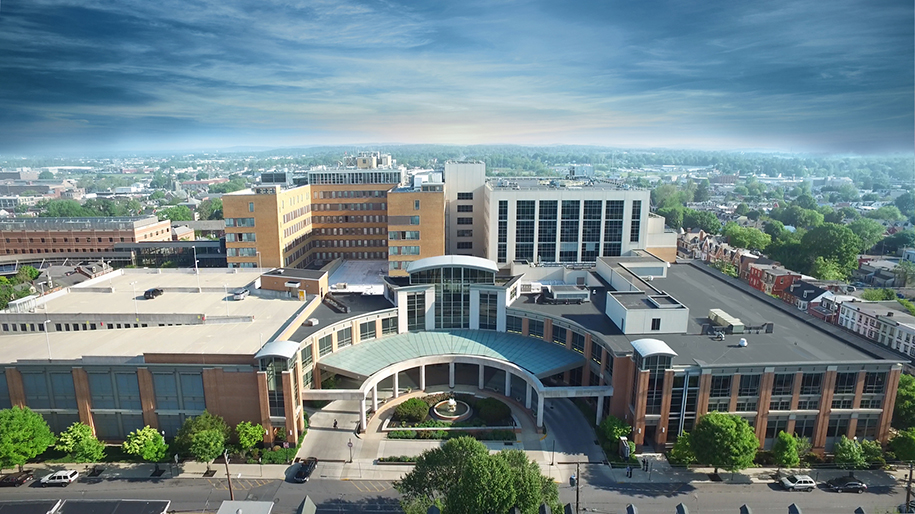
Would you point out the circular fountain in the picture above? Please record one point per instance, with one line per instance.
(451, 410)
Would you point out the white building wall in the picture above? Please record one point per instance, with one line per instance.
(465, 177)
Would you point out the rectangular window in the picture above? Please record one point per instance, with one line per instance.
(489, 311)
(721, 386)
(367, 330)
(465, 233)
(837, 427)
(874, 383)
(414, 220)
(775, 426)
(465, 208)
(416, 311)
(307, 357)
(656, 324)
(749, 385)
(325, 345)
(549, 210)
(810, 383)
(559, 335)
(415, 205)
(464, 245)
(344, 337)
(535, 328)
(635, 228)
(389, 326)
(465, 196)
(250, 206)
(166, 390)
(465, 221)
(513, 324)
(578, 342)
(783, 384)
(845, 383)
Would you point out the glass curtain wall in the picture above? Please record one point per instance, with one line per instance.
(452, 292)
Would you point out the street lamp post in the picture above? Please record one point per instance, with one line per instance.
(350, 444)
(47, 337)
(225, 454)
(136, 308)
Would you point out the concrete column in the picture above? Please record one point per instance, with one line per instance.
(735, 390)
(600, 409)
(148, 397)
(539, 411)
(762, 408)
(889, 403)
(705, 390)
(859, 389)
(819, 432)
(481, 377)
(375, 397)
(527, 396)
(796, 391)
(396, 385)
(422, 377)
(83, 396)
(508, 384)
(451, 375)
(362, 418)
(289, 408)
(264, 405)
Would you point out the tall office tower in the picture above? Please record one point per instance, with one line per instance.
(466, 222)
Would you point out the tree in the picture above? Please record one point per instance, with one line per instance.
(673, 216)
(249, 434)
(29, 273)
(465, 478)
(824, 269)
(905, 273)
(887, 212)
(878, 295)
(703, 220)
(806, 201)
(746, 237)
(210, 209)
(904, 412)
(612, 428)
(64, 209)
(785, 451)
(902, 239)
(682, 453)
(176, 213)
(868, 230)
(23, 435)
(832, 242)
(724, 441)
(702, 192)
(774, 228)
(906, 204)
(725, 267)
(742, 209)
(146, 443)
(753, 215)
(849, 454)
(45, 175)
(903, 444)
(157, 195)
(80, 443)
(206, 445)
(205, 421)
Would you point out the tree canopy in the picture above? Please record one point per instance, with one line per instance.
(724, 441)
(832, 242)
(206, 421)
(746, 237)
(903, 444)
(849, 453)
(206, 445)
(868, 231)
(80, 443)
(146, 443)
(904, 411)
(464, 478)
(23, 435)
(249, 434)
(785, 450)
(176, 213)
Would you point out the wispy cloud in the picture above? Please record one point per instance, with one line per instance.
(802, 74)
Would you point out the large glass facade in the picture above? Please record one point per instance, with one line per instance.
(452, 292)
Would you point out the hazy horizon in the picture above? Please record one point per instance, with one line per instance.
(802, 76)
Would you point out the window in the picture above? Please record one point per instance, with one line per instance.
(465, 208)
(464, 245)
(808, 404)
(774, 426)
(465, 196)
(842, 403)
(307, 357)
(845, 383)
(415, 205)
(489, 310)
(721, 386)
(782, 384)
(465, 233)
(837, 427)
(367, 330)
(559, 335)
(656, 324)
(535, 328)
(250, 206)
(749, 385)
(874, 383)
(578, 342)
(325, 345)
(416, 311)
(804, 426)
(635, 228)
(810, 383)
(465, 221)
(389, 326)
(414, 220)
(344, 337)
(513, 324)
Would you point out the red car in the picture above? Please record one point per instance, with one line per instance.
(16, 479)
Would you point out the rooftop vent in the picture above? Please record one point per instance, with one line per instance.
(742, 343)
(311, 322)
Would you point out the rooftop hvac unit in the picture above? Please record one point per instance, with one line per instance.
(312, 322)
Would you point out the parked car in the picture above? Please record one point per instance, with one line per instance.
(16, 479)
(847, 484)
(152, 293)
(798, 483)
(306, 468)
(61, 478)
(241, 294)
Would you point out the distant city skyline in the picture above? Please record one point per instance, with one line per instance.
(801, 75)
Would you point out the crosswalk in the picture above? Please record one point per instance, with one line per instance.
(371, 486)
(239, 484)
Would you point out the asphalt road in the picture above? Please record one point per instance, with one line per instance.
(334, 496)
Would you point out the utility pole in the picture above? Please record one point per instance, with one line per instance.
(577, 487)
(229, 475)
(908, 488)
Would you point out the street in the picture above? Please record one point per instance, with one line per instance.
(363, 496)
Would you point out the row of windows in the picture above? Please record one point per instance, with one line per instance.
(811, 384)
(403, 250)
(377, 193)
(350, 219)
(76, 239)
(403, 235)
(349, 207)
(239, 222)
(244, 237)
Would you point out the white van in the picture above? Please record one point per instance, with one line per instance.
(241, 294)
(61, 478)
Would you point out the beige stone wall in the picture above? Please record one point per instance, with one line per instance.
(431, 224)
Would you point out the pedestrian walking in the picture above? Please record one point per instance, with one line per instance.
(628, 471)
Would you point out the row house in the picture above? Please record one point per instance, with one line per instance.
(886, 323)
(771, 279)
(827, 309)
(802, 295)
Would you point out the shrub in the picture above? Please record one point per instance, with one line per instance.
(492, 411)
(764, 458)
(612, 428)
(501, 435)
(413, 409)
(402, 434)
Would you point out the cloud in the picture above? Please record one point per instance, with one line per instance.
(803, 74)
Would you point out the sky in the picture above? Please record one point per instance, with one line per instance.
(820, 76)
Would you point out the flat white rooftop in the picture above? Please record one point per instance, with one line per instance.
(94, 299)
